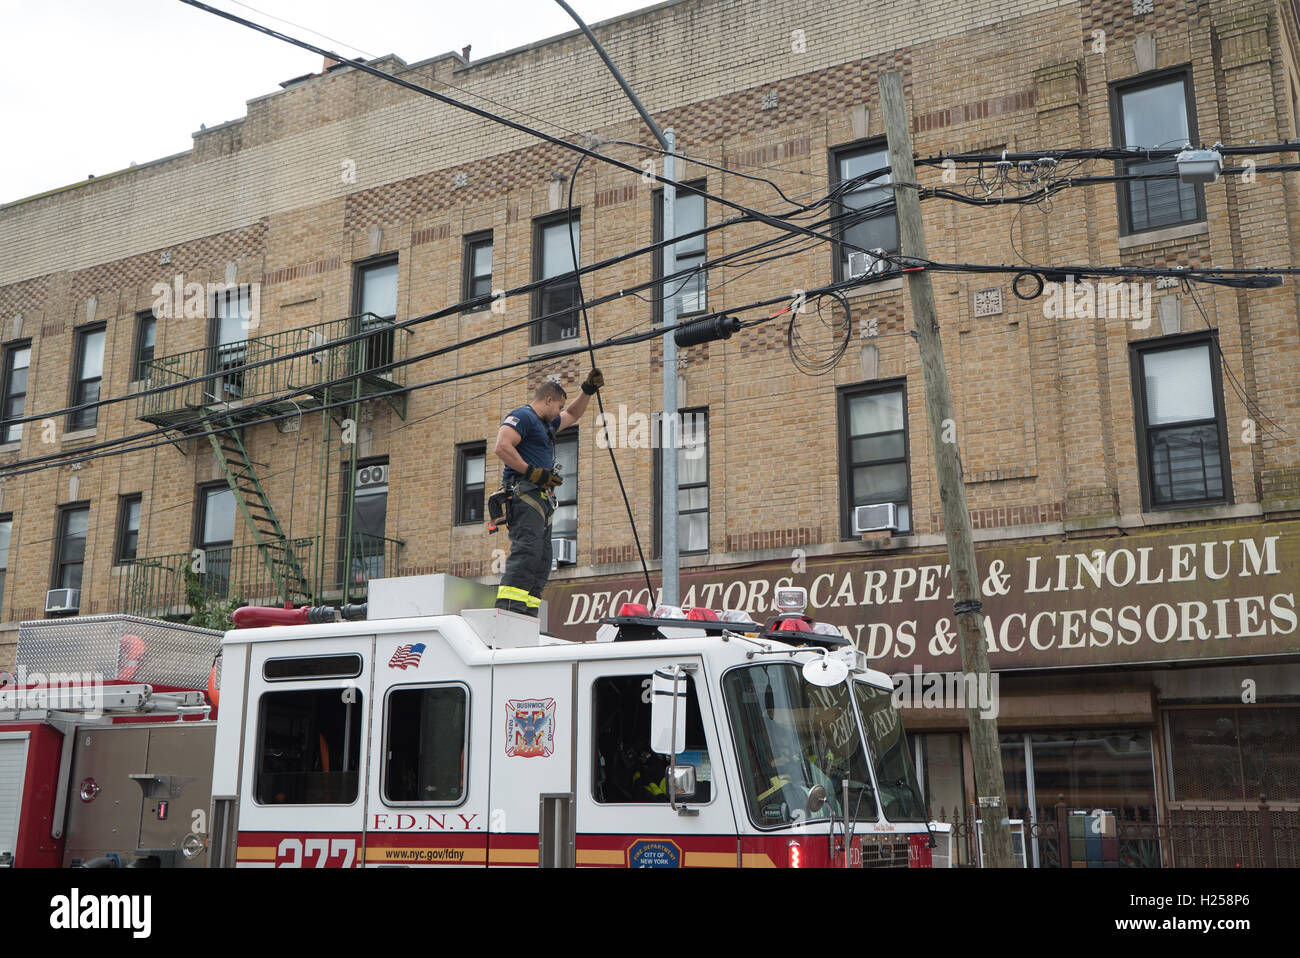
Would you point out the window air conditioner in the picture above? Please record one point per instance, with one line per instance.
(875, 517)
(63, 600)
(941, 854)
(872, 263)
(1017, 826)
(564, 551)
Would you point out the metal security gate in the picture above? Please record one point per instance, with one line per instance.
(13, 769)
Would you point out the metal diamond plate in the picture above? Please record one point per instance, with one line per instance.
(123, 647)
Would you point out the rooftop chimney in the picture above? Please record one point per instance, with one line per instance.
(464, 53)
(329, 62)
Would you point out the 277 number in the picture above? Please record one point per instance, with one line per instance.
(316, 853)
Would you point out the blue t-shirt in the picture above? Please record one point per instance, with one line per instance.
(537, 442)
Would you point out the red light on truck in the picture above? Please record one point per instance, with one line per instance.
(633, 608)
(796, 855)
(702, 615)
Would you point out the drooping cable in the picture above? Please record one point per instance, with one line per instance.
(600, 403)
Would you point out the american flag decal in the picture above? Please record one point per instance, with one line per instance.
(406, 656)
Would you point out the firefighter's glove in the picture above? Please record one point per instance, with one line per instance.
(593, 382)
(543, 478)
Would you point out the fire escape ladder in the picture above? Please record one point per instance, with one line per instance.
(272, 545)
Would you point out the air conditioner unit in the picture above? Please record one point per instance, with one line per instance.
(941, 854)
(872, 263)
(564, 551)
(63, 600)
(875, 517)
(376, 475)
(1017, 826)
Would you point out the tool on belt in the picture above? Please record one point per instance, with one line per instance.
(500, 501)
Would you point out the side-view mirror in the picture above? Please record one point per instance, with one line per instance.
(825, 672)
(681, 780)
(816, 799)
(668, 702)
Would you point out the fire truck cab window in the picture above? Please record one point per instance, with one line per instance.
(308, 747)
(899, 795)
(625, 769)
(792, 736)
(425, 740)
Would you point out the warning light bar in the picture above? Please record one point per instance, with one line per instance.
(703, 615)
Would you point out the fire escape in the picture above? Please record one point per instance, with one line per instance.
(251, 380)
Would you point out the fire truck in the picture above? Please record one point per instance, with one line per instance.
(438, 732)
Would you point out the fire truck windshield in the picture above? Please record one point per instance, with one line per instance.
(791, 736)
(889, 754)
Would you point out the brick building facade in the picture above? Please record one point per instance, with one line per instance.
(341, 194)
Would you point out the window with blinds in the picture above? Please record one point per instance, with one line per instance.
(1181, 416)
(1156, 113)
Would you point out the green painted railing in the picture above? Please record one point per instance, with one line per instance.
(155, 586)
(314, 372)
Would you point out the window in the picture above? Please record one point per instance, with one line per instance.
(1155, 113)
(87, 376)
(18, 358)
(564, 523)
(368, 489)
(791, 736)
(376, 308)
(880, 229)
(146, 331)
(1235, 754)
(70, 554)
(6, 531)
(692, 444)
(688, 214)
(308, 747)
(216, 536)
(471, 464)
(312, 667)
(873, 450)
(128, 528)
(228, 343)
(553, 256)
(478, 268)
(887, 744)
(1181, 447)
(425, 745)
(626, 770)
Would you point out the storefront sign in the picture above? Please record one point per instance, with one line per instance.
(1206, 593)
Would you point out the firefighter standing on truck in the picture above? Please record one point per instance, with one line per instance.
(526, 444)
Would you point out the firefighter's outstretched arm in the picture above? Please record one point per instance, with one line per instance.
(575, 409)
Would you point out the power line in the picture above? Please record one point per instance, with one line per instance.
(600, 403)
(203, 418)
(102, 450)
(773, 221)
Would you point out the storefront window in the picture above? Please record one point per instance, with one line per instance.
(1106, 769)
(1235, 754)
(940, 778)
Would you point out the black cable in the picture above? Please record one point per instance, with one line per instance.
(769, 220)
(203, 418)
(600, 403)
(472, 303)
(34, 465)
(1237, 386)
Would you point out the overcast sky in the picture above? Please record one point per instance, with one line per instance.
(90, 86)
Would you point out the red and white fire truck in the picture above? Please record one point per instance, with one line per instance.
(440, 732)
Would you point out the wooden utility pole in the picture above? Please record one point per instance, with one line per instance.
(992, 802)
